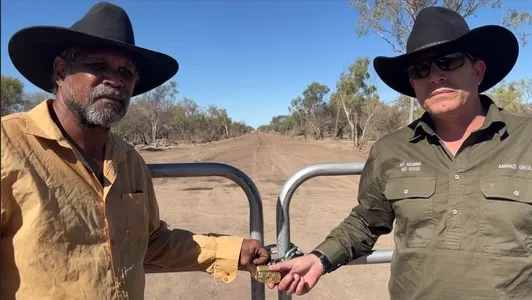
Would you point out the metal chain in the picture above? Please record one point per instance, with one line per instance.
(293, 251)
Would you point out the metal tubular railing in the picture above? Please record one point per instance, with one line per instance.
(283, 205)
(256, 223)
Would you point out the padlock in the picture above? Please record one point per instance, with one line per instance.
(264, 275)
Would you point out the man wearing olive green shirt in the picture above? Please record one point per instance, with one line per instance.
(79, 213)
(457, 181)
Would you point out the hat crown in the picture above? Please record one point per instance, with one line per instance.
(435, 25)
(108, 21)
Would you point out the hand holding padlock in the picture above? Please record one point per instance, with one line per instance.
(265, 275)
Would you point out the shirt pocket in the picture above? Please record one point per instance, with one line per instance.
(505, 222)
(411, 200)
(136, 211)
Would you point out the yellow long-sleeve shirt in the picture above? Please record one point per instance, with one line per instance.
(65, 236)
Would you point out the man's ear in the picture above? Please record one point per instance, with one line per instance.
(480, 70)
(60, 70)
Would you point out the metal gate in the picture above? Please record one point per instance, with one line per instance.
(256, 223)
(283, 205)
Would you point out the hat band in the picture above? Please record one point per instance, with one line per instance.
(430, 45)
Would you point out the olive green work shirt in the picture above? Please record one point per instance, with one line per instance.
(463, 224)
(64, 236)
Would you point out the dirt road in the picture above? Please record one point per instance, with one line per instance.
(216, 205)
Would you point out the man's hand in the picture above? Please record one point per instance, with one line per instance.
(298, 275)
(253, 254)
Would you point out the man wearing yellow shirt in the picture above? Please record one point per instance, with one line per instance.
(79, 212)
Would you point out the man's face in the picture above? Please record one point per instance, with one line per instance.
(97, 86)
(445, 88)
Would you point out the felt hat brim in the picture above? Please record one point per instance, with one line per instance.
(33, 50)
(495, 45)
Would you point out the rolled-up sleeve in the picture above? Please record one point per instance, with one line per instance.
(357, 233)
(185, 250)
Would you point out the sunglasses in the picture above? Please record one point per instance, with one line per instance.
(421, 69)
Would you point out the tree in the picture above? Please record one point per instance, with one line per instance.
(339, 115)
(402, 103)
(12, 95)
(311, 108)
(525, 85)
(33, 99)
(393, 20)
(220, 120)
(513, 96)
(156, 106)
(151, 116)
(298, 113)
(354, 94)
(189, 119)
(135, 127)
(516, 20)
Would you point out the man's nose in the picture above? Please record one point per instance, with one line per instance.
(436, 74)
(113, 78)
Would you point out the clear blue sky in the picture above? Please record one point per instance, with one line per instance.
(250, 57)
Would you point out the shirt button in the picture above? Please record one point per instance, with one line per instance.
(454, 211)
(405, 191)
(516, 193)
(456, 176)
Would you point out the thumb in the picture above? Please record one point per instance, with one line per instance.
(263, 258)
(281, 266)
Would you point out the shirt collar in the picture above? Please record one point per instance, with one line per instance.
(40, 123)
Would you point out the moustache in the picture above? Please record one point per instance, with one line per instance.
(107, 92)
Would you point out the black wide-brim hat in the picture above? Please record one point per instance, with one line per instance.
(444, 31)
(33, 49)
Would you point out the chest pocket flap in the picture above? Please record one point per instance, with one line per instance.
(507, 188)
(506, 216)
(411, 187)
(411, 200)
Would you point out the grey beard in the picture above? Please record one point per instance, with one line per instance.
(93, 114)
